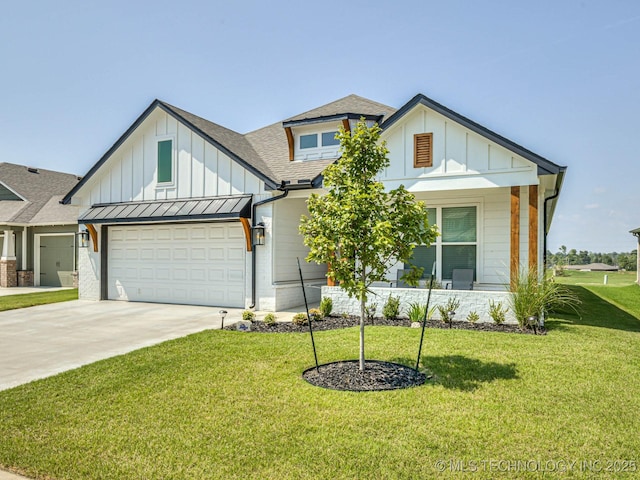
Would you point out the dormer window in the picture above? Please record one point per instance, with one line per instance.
(316, 143)
(309, 141)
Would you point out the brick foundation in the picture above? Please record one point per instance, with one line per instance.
(8, 275)
(25, 278)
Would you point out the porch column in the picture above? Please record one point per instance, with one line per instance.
(515, 236)
(8, 274)
(24, 248)
(533, 227)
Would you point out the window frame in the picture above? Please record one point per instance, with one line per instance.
(320, 151)
(159, 140)
(439, 243)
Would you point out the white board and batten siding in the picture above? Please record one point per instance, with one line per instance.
(462, 159)
(289, 245)
(200, 169)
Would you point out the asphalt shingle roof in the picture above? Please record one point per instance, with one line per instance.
(42, 191)
(265, 152)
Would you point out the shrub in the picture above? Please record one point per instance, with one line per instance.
(473, 317)
(315, 315)
(269, 319)
(326, 306)
(249, 316)
(370, 311)
(416, 312)
(448, 309)
(531, 297)
(497, 312)
(391, 308)
(300, 319)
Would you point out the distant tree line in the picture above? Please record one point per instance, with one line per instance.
(626, 261)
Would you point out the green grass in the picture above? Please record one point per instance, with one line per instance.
(11, 302)
(233, 405)
(573, 277)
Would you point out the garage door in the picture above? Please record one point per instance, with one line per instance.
(200, 264)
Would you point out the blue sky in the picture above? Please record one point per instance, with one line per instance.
(559, 77)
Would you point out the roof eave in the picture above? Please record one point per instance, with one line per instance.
(330, 118)
(159, 104)
(545, 167)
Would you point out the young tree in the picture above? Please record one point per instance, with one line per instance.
(358, 228)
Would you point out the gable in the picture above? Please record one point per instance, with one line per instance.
(136, 169)
(451, 155)
(7, 194)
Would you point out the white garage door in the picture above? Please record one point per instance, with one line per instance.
(200, 264)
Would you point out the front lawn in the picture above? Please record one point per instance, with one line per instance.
(11, 302)
(223, 404)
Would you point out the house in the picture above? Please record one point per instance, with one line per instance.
(37, 232)
(183, 210)
(636, 233)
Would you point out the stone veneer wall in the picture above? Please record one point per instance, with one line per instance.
(8, 274)
(25, 278)
(470, 300)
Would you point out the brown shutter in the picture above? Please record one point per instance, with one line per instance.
(423, 150)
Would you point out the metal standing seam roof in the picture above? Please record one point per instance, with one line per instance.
(214, 208)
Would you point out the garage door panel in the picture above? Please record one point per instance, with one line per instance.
(198, 264)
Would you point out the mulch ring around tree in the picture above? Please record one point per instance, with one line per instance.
(377, 375)
(335, 322)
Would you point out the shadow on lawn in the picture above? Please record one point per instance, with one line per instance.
(463, 373)
(594, 311)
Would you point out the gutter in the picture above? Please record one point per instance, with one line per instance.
(284, 187)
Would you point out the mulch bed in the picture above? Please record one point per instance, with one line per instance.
(377, 375)
(332, 323)
(346, 375)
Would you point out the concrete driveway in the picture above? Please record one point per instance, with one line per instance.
(41, 341)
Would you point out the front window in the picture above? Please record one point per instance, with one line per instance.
(457, 245)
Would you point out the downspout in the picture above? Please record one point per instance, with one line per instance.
(255, 250)
(544, 242)
(559, 180)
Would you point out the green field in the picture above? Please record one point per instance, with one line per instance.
(223, 404)
(572, 277)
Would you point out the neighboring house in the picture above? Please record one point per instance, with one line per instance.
(593, 267)
(636, 233)
(171, 207)
(37, 232)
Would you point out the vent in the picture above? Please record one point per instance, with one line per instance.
(423, 150)
(32, 170)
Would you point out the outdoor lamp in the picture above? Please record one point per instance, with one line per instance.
(223, 313)
(83, 239)
(257, 234)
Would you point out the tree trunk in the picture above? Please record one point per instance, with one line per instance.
(362, 317)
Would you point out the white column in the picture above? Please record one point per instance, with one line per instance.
(24, 248)
(8, 246)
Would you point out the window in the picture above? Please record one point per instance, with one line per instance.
(308, 141)
(457, 245)
(165, 163)
(423, 150)
(329, 139)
